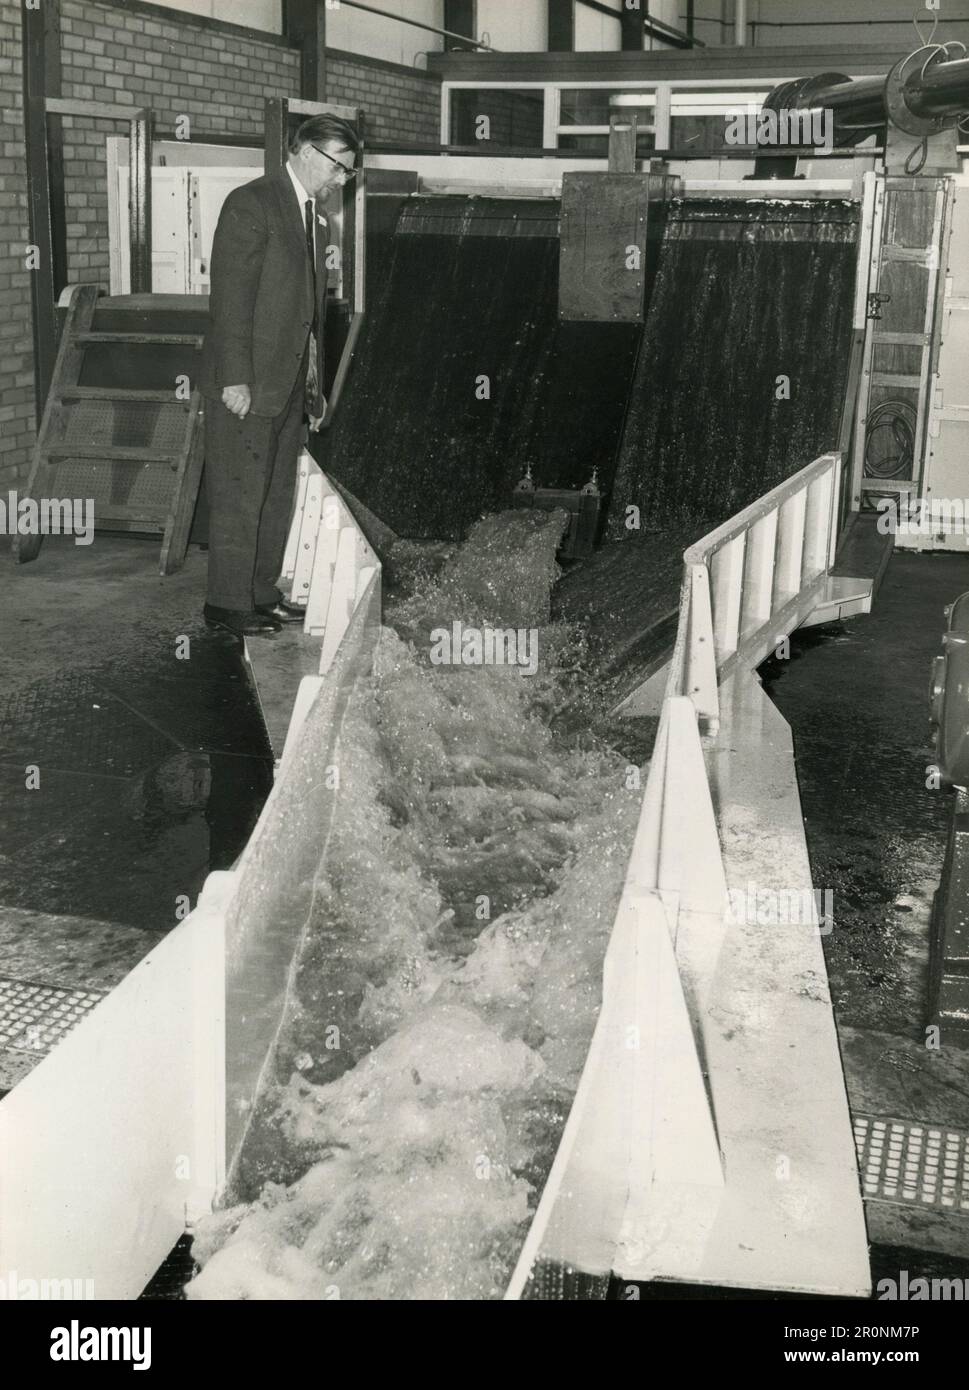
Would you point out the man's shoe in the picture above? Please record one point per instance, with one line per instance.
(282, 611)
(242, 623)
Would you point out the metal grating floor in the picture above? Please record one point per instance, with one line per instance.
(913, 1164)
(34, 1018)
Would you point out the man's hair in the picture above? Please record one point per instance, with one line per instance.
(317, 130)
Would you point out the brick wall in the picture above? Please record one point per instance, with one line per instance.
(399, 104)
(178, 67)
(218, 80)
(17, 418)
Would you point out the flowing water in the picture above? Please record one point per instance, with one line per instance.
(741, 373)
(449, 982)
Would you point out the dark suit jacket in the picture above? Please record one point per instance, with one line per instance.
(261, 295)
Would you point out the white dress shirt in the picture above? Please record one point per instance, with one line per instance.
(303, 196)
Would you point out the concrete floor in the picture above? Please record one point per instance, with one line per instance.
(856, 696)
(151, 759)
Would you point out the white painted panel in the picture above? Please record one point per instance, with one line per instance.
(669, 12)
(117, 1140)
(254, 14)
(946, 527)
(946, 483)
(169, 233)
(375, 36)
(823, 22)
(518, 27)
(595, 31)
(184, 153)
(210, 188)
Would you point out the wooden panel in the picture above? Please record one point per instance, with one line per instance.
(141, 339)
(714, 63)
(603, 256)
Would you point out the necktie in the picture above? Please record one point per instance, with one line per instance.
(313, 383)
(311, 250)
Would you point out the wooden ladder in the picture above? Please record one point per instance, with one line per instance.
(73, 413)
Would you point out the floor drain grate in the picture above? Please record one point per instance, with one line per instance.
(35, 1017)
(913, 1164)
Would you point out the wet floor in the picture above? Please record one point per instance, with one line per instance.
(133, 761)
(856, 697)
(146, 779)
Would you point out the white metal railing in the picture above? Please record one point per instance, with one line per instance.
(328, 560)
(332, 568)
(659, 1130)
(752, 581)
(641, 1140)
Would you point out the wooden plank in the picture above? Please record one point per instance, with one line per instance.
(139, 200)
(911, 254)
(142, 303)
(118, 393)
(67, 369)
(718, 63)
(902, 339)
(301, 107)
(89, 339)
(868, 281)
(603, 215)
(97, 110)
(852, 385)
(108, 452)
(343, 370)
(178, 523)
(895, 379)
(153, 515)
(45, 186)
(276, 132)
(622, 142)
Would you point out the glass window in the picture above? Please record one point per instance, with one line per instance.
(698, 134)
(593, 146)
(515, 117)
(586, 106)
(597, 146)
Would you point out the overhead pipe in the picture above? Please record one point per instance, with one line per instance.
(920, 99)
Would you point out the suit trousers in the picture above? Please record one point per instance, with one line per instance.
(250, 482)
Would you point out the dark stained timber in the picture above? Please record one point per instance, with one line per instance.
(471, 291)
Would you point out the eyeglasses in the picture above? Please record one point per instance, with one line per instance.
(350, 173)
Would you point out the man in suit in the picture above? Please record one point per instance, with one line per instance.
(262, 367)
